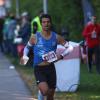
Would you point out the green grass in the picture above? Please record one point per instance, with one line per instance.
(89, 88)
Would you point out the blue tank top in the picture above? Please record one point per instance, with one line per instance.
(44, 46)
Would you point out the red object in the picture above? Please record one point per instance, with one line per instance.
(20, 49)
(91, 42)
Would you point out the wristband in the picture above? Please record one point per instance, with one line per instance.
(66, 45)
(65, 53)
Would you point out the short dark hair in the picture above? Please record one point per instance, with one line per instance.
(45, 16)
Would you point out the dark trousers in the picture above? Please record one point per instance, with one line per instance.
(1, 47)
(96, 51)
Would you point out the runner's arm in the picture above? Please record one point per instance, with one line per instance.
(30, 43)
(26, 51)
(65, 43)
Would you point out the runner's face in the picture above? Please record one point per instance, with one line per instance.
(46, 24)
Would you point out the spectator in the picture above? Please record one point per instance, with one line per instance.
(83, 51)
(23, 32)
(35, 23)
(1, 34)
(5, 33)
(11, 28)
(25, 28)
(91, 34)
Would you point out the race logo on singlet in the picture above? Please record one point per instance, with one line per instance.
(50, 57)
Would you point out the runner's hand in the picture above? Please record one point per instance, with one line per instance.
(59, 57)
(22, 61)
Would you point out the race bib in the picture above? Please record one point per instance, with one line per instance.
(94, 35)
(49, 57)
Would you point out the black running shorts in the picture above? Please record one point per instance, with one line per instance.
(47, 74)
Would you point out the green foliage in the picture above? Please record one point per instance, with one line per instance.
(64, 13)
(96, 5)
(67, 13)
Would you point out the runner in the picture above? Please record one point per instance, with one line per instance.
(44, 47)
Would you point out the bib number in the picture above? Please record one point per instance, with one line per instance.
(49, 57)
(93, 36)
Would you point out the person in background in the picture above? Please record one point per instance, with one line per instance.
(11, 28)
(83, 51)
(5, 33)
(23, 32)
(44, 45)
(91, 33)
(25, 28)
(35, 24)
(1, 34)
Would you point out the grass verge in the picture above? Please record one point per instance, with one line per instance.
(89, 88)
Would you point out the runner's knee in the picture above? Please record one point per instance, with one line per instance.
(43, 87)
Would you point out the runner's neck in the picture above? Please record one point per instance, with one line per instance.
(46, 35)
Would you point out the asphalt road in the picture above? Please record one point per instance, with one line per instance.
(12, 87)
